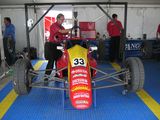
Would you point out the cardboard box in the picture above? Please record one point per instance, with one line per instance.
(85, 26)
(90, 34)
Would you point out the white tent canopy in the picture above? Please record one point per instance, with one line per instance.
(21, 2)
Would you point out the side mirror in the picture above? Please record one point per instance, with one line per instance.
(94, 48)
(60, 48)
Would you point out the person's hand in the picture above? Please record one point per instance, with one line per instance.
(68, 30)
(68, 35)
(64, 41)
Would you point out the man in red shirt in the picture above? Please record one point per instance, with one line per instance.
(57, 34)
(158, 32)
(114, 31)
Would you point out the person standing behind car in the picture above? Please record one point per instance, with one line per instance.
(9, 34)
(158, 32)
(114, 31)
(9, 30)
(57, 33)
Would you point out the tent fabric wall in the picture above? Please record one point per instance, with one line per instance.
(141, 19)
(21, 2)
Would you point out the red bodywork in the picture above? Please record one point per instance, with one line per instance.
(79, 77)
(63, 62)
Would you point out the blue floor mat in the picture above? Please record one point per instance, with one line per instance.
(152, 79)
(44, 104)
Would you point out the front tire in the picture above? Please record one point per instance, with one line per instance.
(136, 74)
(21, 77)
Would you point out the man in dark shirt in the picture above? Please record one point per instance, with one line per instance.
(57, 33)
(114, 31)
(9, 29)
(9, 41)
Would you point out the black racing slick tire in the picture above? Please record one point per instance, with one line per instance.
(136, 74)
(21, 77)
(9, 50)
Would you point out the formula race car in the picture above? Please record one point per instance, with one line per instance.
(77, 71)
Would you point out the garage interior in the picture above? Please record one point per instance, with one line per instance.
(32, 19)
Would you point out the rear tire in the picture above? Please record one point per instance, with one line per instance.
(136, 73)
(9, 50)
(21, 77)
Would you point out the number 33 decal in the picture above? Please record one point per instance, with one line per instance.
(79, 62)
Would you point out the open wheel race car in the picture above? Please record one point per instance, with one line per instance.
(77, 71)
(81, 70)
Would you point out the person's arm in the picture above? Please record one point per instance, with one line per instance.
(65, 31)
(158, 31)
(12, 32)
(157, 34)
(120, 25)
(107, 27)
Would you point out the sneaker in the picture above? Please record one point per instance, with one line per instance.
(56, 75)
(46, 82)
